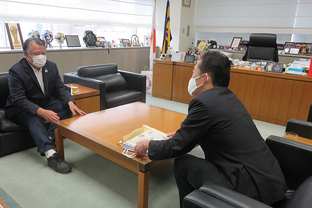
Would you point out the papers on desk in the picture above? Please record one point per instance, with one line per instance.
(297, 67)
(145, 132)
(295, 72)
(304, 63)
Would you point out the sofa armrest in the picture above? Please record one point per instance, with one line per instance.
(302, 128)
(213, 195)
(294, 158)
(135, 81)
(198, 199)
(310, 114)
(88, 82)
(230, 197)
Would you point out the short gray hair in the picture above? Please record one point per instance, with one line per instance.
(27, 43)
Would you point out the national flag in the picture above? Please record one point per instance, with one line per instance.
(167, 32)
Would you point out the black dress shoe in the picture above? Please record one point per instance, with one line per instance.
(59, 164)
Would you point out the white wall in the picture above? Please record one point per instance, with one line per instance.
(187, 18)
(180, 17)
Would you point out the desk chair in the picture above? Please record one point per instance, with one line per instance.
(261, 47)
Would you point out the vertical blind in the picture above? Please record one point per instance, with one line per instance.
(279, 16)
(104, 12)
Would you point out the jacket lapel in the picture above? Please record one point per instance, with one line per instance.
(30, 72)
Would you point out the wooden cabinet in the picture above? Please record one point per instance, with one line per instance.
(272, 97)
(182, 74)
(87, 99)
(162, 79)
(267, 96)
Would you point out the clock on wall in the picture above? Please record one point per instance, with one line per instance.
(186, 3)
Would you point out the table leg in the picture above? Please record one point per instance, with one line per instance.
(59, 143)
(3, 204)
(143, 186)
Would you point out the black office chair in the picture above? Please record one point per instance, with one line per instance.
(261, 47)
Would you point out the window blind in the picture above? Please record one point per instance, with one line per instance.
(276, 16)
(105, 12)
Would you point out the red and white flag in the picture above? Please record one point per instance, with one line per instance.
(153, 38)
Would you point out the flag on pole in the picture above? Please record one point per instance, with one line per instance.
(153, 38)
(167, 32)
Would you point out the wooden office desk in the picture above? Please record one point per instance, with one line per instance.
(267, 96)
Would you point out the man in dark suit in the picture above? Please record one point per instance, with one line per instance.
(37, 94)
(236, 155)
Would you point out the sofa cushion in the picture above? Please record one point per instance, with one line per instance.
(7, 125)
(97, 70)
(4, 88)
(122, 97)
(113, 82)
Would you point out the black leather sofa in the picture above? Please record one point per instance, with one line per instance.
(13, 137)
(295, 160)
(116, 87)
(302, 128)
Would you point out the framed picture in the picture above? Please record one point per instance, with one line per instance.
(294, 51)
(15, 35)
(126, 42)
(186, 3)
(276, 67)
(236, 42)
(288, 46)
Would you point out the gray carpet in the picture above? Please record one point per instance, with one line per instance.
(95, 182)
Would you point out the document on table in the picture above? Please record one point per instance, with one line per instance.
(129, 141)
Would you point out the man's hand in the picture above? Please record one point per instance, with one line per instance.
(74, 109)
(141, 147)
(48, 115)
(170, 134)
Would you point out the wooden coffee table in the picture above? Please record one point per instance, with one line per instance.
(87, 99)
(3, 204)
(101, 131)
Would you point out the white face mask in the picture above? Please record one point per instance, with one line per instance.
(39, 61)
(125, 153)
(192, 84)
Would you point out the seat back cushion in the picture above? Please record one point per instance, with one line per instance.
(294, 158)
(113, 82)
(97, 70)
(4, 88)
(260, 53)
(7, 125)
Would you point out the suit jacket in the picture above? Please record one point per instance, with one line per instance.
(25, 91)
(221, 125)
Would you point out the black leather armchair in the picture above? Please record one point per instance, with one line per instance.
(295, 160)
(116, 87)
(302, 128)
(13, 137)
(261, 47)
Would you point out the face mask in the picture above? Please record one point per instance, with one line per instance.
(39, 61)
(125, 153)
(192, 84)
